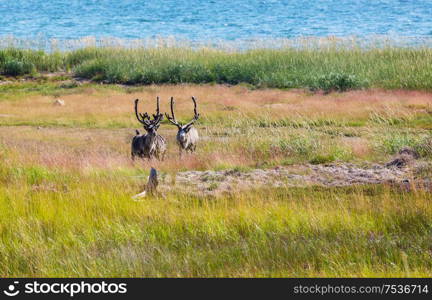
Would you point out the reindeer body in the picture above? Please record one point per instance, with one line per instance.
(160, 147)
(187, 135)
(137, 147)
(150, 145)
(187, 140)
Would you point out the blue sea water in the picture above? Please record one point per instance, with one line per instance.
(214, 19)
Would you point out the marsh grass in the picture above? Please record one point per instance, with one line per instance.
(326, 68)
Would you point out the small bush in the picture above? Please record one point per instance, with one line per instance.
(425, 148)
(69, 84)
(18, 68)
(93, 69)
(3, 57)
(331, 153)
(299, 145)
(393, 143)
(322, 159)
(339, 82)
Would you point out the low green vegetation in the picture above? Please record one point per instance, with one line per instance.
(328, 69)
(66, 223)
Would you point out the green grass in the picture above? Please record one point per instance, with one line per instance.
(328, 69)
(391, 143)
(70, 224)
(66, 188)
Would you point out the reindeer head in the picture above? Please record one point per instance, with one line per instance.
(150, 125)
(182, 129)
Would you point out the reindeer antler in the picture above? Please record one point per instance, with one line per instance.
(145, 118)
(142, 118)
(158, 116)
(172, 118)
(157, 108)
(196, 114)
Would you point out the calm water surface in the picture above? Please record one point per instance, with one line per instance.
(215, 19)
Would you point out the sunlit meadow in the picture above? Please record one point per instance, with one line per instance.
(67, 180)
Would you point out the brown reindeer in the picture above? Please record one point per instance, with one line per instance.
(149, 145)
(187, 135)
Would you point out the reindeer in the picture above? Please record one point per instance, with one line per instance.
(151, 144)
(187, 135)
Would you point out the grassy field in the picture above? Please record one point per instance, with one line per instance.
(67, 182)
(313, 67)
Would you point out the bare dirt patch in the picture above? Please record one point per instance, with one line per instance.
(214, 182)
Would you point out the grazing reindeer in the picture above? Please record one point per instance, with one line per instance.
(187, 135)
(151, 144)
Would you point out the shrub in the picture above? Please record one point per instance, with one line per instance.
(18, 68)
(339, 82)
(69, 84)
(322, 159)
(299, 145)
(394, 142)
(3, 57)
(425, 148)
(94, 69)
